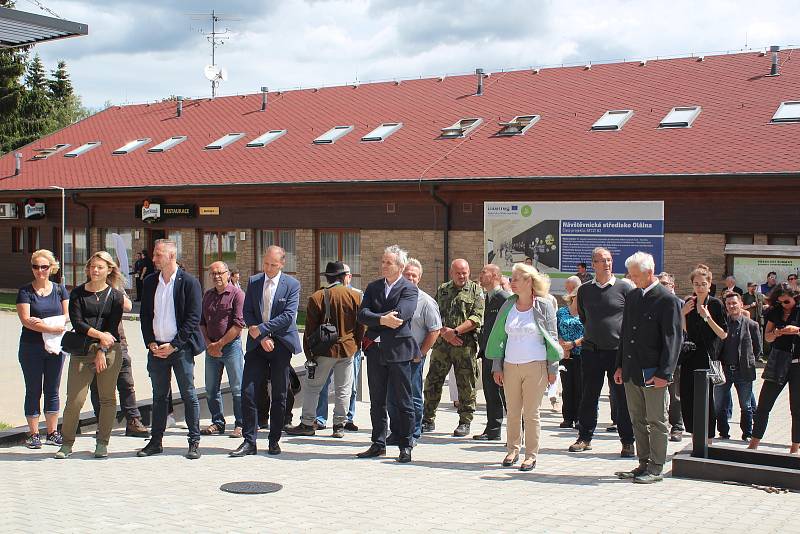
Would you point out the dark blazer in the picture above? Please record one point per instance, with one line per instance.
(490, 311)
(749, 348)
(188, 310)
(282, 325)
(397, 345)
(651, 334)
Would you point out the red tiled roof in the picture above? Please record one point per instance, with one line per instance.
(732, 134)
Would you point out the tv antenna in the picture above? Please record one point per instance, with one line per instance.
(213, 72)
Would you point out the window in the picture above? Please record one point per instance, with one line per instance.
(461, 128)
(44, 153)
(518, 125)
(787, 112)
(169, 143)
(282, 238)
(75, 256)
(82, 149)
(332, 135)
(340, 245)
(17, 241)
(782, 239)
(130, 147)
(739, 239)
(109, 245)
(265, 139)
(218, 246)
(680, 117)
(224, 141)
(382, 132)
(177, 237)
(33, 239)
(613, 120)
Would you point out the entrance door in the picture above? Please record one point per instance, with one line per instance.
(218, 246)
(154, 235)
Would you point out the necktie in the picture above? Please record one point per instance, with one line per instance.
(266, 302)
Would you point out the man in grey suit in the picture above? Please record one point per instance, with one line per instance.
(646, 359)
(490, 279)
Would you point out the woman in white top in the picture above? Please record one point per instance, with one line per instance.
(521, 364)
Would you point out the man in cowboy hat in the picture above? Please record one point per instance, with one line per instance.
(343, 304)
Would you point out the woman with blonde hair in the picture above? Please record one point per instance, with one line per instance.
(42, 310)
(526, 354)
(95, 309)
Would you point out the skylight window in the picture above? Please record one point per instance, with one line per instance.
(613, 120)
(44, 153)
(332, 135)
(461, 128)
(224, 141)
(130, 147)
(787, 112)
(382, 132)
(518, 125)
(265, 139)
(169, 143)
(682, 117)
(82, 149)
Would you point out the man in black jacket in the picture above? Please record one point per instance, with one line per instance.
(646, 359)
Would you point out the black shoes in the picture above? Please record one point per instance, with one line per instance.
(350, 426)
(508, 461)
(428, 426)
(405, 455)
(566, 424)
(245, 449)
(274, 449)
(611, 428)
(676, 436)
(461, 430)
(300, 430)
(194, 452)
(486, 437)
(374, 451)
(153, 447)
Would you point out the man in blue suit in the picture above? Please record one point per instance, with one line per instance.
(387, 309)
(270, 313)
(170, 320)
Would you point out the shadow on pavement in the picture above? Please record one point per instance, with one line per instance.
(570, 480)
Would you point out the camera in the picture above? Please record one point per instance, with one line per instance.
(311, 369)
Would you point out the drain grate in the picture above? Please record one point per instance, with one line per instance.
(251, 487)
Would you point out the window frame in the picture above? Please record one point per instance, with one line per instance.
(276, 232)
(357, 276)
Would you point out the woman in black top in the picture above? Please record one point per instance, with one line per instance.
(703, 321)
(783, 332)
(95, 309)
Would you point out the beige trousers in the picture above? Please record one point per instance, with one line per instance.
(523, 385)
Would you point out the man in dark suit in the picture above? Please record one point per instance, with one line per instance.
(270, 313)
(646, 360)
(170, 320)
(387, 309)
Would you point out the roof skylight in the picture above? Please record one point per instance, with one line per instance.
(44, 153)
(82, 149)
(461, 128)
(127, 148)
(787, 112)
(265, 139)
(681, 117)
(224, 141)
(332, 135)
(518, 125)
(169, 143)
(382, 132)
(613, 120)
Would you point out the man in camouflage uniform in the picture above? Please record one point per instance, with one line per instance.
(461, 306)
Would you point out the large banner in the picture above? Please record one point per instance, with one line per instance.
(556, 236)
(756, 269)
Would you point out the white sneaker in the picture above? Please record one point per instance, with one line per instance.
(171, 422)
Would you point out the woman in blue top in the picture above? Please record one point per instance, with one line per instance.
(570, 336)
(35, 302)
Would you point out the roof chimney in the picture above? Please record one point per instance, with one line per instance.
(479, 73)
(179, 111)
(773, 70)
(264, 91)
(17, 163)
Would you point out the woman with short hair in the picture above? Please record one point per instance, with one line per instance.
(95, 309)
(42, 310)
(526, 354)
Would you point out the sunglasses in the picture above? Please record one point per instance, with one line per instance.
(40, 267)
(786, 302)
(792, 278)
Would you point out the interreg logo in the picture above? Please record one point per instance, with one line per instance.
(526, 211)
(502, 209)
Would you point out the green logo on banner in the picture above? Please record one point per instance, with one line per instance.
(526, 211)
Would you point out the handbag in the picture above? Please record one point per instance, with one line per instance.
(325, 335)
(777, 368)
(715, 372)
(77, 344)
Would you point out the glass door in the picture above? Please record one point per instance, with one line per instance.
(217, 246)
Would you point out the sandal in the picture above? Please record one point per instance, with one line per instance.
(213, 428)
(527, 465)
(509, 460)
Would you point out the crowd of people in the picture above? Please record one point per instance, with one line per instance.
(632, 333)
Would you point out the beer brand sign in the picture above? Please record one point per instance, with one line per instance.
(152, 211)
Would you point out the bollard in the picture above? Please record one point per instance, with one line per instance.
(700, 427)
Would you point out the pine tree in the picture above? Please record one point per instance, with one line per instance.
(60, 85)
(12, 67)
(36, 108)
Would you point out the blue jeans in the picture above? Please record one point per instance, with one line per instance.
(232, 360)
(40, 367)
(322, 403)
(416, 398)
(160, 369)
(722, 399)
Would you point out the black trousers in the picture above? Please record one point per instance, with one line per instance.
(127, 395)
(495, 400)
(382, 376)
(675, 417)
(596, 367)
(260, 366)
(263, 401)
(768, 396)
(692, 362)
(571, 388)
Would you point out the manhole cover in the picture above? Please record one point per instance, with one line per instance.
(251, 487)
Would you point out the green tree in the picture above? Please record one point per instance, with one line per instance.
(12, 67)
(59, 83)
(36, 109)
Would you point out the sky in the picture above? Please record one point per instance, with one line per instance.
(146, 50)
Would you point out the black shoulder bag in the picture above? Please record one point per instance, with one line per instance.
(326, 335)
(777, 368)
(78, 344)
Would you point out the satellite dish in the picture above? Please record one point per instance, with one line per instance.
(211, 72)
(223, 74)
